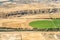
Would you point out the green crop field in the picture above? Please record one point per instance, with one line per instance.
(57, 22)
(54, 23)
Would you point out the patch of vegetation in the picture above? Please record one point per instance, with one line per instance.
(55, 23)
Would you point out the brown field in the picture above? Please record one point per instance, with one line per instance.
(12, 8)
(23, 22)
(16, 23)
(30, 35)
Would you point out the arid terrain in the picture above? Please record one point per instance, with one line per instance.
(30, 35)
(23, 22)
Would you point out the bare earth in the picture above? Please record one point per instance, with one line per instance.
(23, 22)
(29, 35)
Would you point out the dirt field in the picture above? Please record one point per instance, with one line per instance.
(30, 35)
(23, 22)
(13, 8)
(16, 23)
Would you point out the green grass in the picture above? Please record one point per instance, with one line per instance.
(55, 23)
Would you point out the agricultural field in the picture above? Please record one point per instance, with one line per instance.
(53, 23)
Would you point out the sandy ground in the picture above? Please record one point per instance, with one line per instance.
(23, 22)
(29, 35)
(17, 23)
(13, 8)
